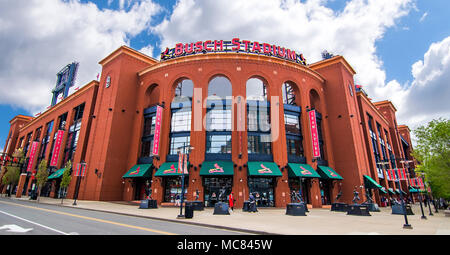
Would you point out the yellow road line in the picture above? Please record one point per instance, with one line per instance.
(93, 219)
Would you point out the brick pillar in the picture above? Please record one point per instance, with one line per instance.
(315, 197)
(22, 179)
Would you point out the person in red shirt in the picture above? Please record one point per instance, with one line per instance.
(231, 200)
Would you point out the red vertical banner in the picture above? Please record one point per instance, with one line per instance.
(57, 148)
(185, 165)
(156, 137)
(314, 134)
(180, 163)
(32, 155)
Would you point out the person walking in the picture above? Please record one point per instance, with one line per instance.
(231, 201)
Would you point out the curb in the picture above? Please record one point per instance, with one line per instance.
(250, 231)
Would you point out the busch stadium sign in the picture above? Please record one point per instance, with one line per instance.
(235, 45)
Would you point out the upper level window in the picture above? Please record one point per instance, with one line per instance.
(79, 110)
(256, 89)
(288, 93)
(184, 91)
(180, 125)
(350, 87)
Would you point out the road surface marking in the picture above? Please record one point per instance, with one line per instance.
(29, 221)
(93, 219)
(15, 228)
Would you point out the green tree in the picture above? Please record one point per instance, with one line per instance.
(41, 176)
(433, 153)
(12, 174)
(66, 178)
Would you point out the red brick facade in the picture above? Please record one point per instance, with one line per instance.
(112, 125)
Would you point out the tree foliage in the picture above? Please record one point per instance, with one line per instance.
(66, 178)
(41, 175)
(433, 153)
(12, 174)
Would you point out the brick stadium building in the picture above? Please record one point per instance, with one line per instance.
(244, 116)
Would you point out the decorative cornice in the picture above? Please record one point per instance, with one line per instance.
(62, 103)
(231, 56)
(332, 61)
(129, 51)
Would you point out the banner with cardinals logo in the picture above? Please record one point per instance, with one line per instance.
(57, 148)
(81, 170)
(156, 137)
(401, 173)
(180, 162)
(32, 155)
(314, 134)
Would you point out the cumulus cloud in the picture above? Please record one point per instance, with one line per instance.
(38, 38)
(428, 97)
(309, 26)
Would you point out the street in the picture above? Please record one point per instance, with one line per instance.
(25, 218)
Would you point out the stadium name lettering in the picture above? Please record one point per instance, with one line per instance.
(235, 45)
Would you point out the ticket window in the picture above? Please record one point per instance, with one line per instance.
(172, 188)
(212, 188)
(325, 191)
(263, 190)
(294, 185)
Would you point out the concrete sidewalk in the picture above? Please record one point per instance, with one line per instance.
(274, 220)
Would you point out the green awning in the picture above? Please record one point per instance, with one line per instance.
(397, 191)
(302, 170)
(391, 191)
(168, 169)
(139, 171)
(214, 168)
(404, 193)
(371, 183)
(57, 174)
(261, 169)
(413, 190)
(328, 173)
(383, 190)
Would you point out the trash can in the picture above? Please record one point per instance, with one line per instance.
(189, 211)
(33, 195)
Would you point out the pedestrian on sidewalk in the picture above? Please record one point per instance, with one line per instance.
(177, 200)
(231, 201)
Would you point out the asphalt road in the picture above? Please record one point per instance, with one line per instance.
(29, 218)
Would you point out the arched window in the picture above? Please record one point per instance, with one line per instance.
(183, 91)
(292, 124)
(315, 105)
(288, 93)
(258, 120)
(256, 89)
(218, 118)
(180, 126)
(151, 99)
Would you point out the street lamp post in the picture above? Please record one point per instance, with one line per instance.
(181, 215)
(421, 208)
(397, 180)
(77, 186)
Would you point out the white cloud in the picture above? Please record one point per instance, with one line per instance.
(148, 50)
(428, 97)
(308, 26)
(423, 17)
(38, 38)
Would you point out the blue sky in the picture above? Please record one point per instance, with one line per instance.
(388, 42)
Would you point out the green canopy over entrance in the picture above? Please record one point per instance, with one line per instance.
(142, 170)
(261, 169)
(328, 173)
(371, 183)
(302, 170)
(56, 174)
(168, 169)
(215, 168)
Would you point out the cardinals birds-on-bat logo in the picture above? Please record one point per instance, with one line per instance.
(217, 169)
(264, 170)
